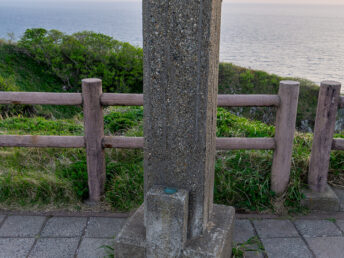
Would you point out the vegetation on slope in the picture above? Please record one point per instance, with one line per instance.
(49, 178)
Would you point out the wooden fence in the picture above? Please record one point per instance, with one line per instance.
(328, 103)
(94, 140)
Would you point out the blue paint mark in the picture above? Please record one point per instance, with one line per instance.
(169, 190)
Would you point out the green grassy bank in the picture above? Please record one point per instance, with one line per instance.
(33, 178)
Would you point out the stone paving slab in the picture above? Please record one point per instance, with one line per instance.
(104, 227)
(60, 236)
(286, 248)
(22, 226)
(15, 247)
(55, 247)
(327, 247)
(340, 224)
(317, 228)
(64, 227)
(243, 231)
(94, 248)
(270, 228)
(2, 217)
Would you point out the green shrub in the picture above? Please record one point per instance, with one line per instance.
(86, 54)
(121, 119)
(8, 84)
(238, 80)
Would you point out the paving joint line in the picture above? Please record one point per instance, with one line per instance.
(339, 228)
(38, 236)
(81, 237)
(3, 221)
(260, 240)
(303, 239)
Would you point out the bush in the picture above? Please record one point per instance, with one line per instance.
(239, 80)
(86, 54)
(122, 119)
(8, 84)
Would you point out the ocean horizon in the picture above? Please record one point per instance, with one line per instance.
(305, 41)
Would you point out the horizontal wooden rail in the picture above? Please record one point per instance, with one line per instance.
(39, 141)
(341, 102)
(123, 142)
(338, 144)
(248, 100)
(114, 99)
(40, 98)
(42, 141)
(245, 143)
(221, 143)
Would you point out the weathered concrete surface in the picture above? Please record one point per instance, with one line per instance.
(166, 222)
(64, 227)
(243, 231)
(181, 55)
(104, 227)
(2, 217)
(131, 241)
(340, 194)
(322, 201)
(54, 247)
(327, 247)
(340, 224)
(215, 242)
(275, 245)
(93, 247)
(286, 248)
(15, 247)
(271, 228)
(22, 226)
(317, 228)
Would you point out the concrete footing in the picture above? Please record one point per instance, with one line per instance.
(324, 201)
(215, 242)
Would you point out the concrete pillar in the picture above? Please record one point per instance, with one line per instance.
(181, 58)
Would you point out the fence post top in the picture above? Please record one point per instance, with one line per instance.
(331, 83)
(290, 83)
(91, 81)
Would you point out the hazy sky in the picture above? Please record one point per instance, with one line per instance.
(339, 2)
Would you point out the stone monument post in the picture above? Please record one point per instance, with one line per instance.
(181, 59)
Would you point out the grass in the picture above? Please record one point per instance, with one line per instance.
(252, 245)
(25, 74)
(53, 178)
(58, 176)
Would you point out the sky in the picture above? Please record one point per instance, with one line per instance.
(338, 2)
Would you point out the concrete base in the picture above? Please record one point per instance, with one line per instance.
(325, 201)
(340, 193)
(215, 242)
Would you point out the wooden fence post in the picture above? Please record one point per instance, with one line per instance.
(94, 133)
(325, 122)
(284, 135)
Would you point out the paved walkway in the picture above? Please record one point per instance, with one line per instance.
(44, 237)
(58, 236)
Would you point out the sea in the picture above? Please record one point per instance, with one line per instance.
(305, 41)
